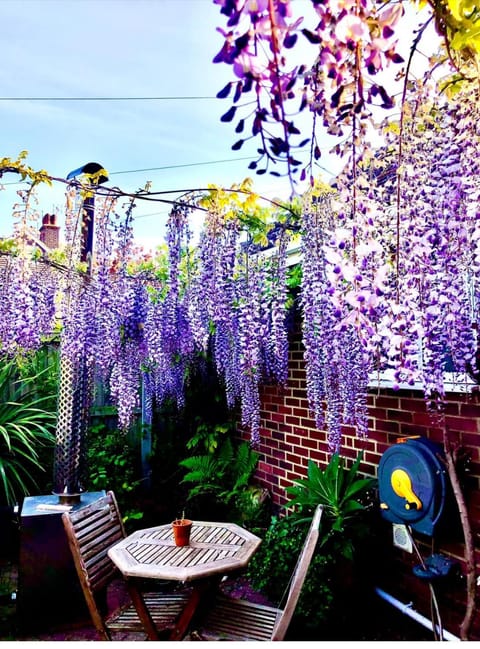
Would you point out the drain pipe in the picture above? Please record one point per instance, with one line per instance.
(407, 609)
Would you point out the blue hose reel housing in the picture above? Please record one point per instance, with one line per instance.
(413, 484)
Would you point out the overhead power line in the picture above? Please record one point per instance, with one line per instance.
(134, 171)
(189, 164)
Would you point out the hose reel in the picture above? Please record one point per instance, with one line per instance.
(413, 484)
(414, 492)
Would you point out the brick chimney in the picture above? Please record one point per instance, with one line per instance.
(50, 231)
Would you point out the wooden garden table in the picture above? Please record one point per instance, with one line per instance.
(214, 549)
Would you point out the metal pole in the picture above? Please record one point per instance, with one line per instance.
(75, 385)
(146, 437)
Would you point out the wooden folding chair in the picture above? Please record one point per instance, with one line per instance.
(236, 619)
(91, 531)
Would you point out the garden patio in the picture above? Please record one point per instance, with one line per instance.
(386, 623)
(297, 377)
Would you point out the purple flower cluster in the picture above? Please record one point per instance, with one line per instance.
(133, 326)
(335, 366)
(390, 281)
(276, 341)
(402, 262)
(168, 332)
(27, 296)
(250, 336)
(351, 43)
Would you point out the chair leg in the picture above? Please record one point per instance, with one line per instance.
(97, 619)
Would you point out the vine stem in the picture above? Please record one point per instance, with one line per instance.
(24, 223)
(147, 195)
(469, 554)
(400, 153)
(276, 49)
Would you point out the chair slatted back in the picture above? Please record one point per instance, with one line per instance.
(236, 619)
(285, 616)
(91, 531)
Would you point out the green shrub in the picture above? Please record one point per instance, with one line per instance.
(272, 566)
(340, 567)
(208, 435)
(225, 477)
(343, 493)
(112, 465)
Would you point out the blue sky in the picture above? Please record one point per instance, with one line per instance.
(121, 48)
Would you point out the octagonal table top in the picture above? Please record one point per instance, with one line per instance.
(215, 548)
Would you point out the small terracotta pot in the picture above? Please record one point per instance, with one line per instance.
(181, 531)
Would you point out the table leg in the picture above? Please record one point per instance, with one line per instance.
(142, 610)
(199, 588)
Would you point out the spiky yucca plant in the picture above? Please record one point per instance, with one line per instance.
(27, 423)
(342, 492)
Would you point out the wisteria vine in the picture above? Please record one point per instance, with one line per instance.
(389, 282)
(351, 55)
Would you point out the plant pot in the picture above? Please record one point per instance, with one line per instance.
(181, 531)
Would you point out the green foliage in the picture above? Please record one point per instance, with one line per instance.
(112, 466)
(294, 277)
(293, 281)
(26, 172)
(9, 246)
(8, 585)
(273, 564)
(224, 475)
(27, 423)
(58, 256)
(340, 490)
(40, 371)
(339, 569)
(460, 22)
(208, 435)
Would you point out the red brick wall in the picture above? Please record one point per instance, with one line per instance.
(289, 439)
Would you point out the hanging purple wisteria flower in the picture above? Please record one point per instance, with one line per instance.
(336, 369)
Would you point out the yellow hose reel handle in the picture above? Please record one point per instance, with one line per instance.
(402, 486)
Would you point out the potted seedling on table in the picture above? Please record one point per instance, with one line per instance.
(181, 530)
